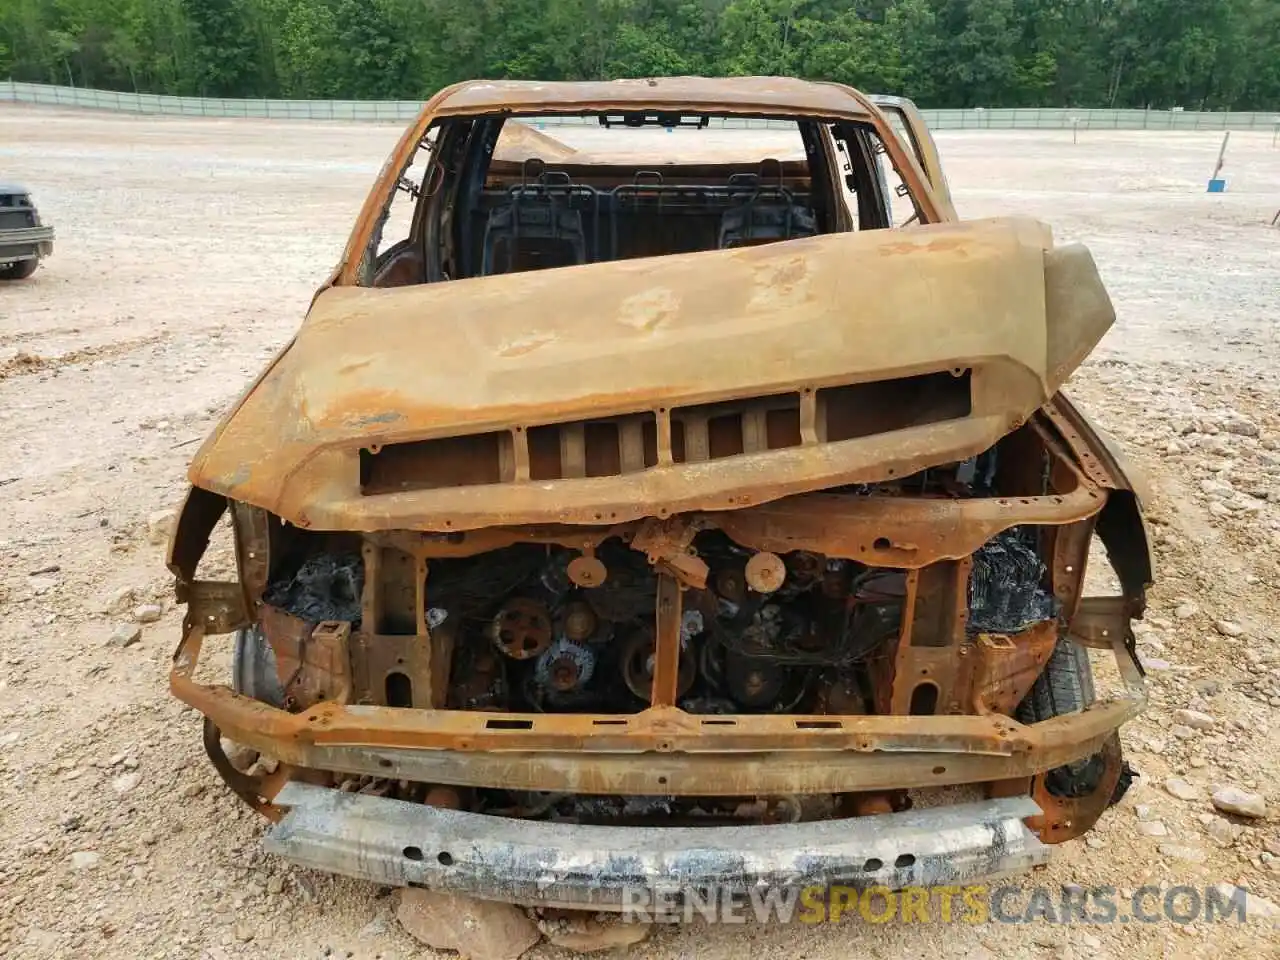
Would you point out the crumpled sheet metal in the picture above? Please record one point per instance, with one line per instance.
(649, 335)
(570, 865)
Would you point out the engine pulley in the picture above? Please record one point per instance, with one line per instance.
(765, 572)
(565, 666)
(522, 628)
(637, 666)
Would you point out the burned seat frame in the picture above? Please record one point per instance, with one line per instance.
(548, 209)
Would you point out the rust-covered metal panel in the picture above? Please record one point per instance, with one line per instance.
(728, 94)
(372, 368)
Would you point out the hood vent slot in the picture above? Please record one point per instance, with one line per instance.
(481, 458)
(630, 443)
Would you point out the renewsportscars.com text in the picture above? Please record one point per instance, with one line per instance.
(974, 904)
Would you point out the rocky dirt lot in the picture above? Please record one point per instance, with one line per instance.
(186, 254)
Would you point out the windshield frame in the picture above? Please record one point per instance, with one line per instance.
(862, 110)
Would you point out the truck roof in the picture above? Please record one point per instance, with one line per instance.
(745, 95)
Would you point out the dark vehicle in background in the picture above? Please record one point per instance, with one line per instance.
(24, 240)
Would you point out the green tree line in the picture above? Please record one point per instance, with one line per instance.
(1197, 54)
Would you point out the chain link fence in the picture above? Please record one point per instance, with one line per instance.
(401, 111)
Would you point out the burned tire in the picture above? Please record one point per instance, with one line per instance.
(253, 668)
(19, 270)
(1065, 686)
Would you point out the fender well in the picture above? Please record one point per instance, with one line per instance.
(216, 606)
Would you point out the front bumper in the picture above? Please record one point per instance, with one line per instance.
(612, 868)
(27, 243)
(662, 751)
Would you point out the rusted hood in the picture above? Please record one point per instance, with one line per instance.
(372, 367)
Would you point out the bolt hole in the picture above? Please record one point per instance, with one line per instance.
(662, 781)
(938, 770)
(872, 865)
(384, 762)
(445, 858)
(413, 853)
(905, 860)
(881, 543)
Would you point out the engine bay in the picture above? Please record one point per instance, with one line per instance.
(530, 638)
(544, 627)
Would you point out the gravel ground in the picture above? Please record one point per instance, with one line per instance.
(186, 255)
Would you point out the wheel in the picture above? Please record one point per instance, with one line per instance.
(1073, 796)
(18, 270)
(1065, 686)
(253, 668)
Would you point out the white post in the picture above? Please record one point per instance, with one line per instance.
(1222, 154)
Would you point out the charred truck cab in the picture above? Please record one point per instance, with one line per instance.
(653, 512)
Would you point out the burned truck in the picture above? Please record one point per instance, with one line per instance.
(668, 488)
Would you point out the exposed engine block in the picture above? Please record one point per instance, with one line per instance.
(767, 633)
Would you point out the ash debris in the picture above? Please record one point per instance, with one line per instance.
(1006, 592)
(325, 587)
